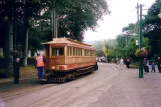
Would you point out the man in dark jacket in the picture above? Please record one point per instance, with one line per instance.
(159, 64)
(128, 62)
(16, 70)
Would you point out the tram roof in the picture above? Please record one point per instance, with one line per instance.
(65, 40)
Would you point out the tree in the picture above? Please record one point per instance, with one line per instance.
(152, 28)
(6, 33)
(22, 11)
(33, 9)
(74, 16)
(130, 30)
(99, 48)
(106, 50)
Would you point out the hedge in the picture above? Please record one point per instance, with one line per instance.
(7, 72)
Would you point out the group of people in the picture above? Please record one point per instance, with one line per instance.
(146, 65)
(39, 64)
(127, 62)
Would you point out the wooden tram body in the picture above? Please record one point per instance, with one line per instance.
(67, 58)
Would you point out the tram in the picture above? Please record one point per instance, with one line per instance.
(67, 58)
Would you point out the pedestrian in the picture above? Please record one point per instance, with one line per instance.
(147, 66)
(145, 61)
(16, 70)
(121, 63)
(39, 64)
(128, 62)
(153, 67)
(159, 64)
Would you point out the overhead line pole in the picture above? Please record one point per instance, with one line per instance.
(137, 18)
(139, 29)
(54, 20)
(140, 42)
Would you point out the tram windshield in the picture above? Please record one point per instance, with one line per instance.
(57, 51)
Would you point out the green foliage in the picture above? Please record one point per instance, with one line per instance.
(99, 48)
(17, 52)
(130, 47)
(106, 50)
(35, 40)
(152, 28)
(74, 17)
(130, 30)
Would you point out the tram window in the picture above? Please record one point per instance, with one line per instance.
(86, 52)
(68, 51)
(57, 51)
(80, 52)
(73, 51)
(76, 51)
(91, 53)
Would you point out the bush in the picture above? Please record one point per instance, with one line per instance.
(3, 63)
(5, 73)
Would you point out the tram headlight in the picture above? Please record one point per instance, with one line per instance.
(53, 67)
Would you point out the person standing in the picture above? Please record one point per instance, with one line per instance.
(16, 70)
(153, 67)
(159, 64)
(39, 64)
(145, 61)
(147, 66)
(128, 62)
(121, 63)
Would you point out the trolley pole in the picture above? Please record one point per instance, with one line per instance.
(54, 21)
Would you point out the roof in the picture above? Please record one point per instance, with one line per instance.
(66, 40)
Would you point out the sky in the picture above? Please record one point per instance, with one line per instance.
(123, 12)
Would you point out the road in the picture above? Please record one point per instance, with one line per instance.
(107, 87)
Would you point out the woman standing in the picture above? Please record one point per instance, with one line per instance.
(121, 63)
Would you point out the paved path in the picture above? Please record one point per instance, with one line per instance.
(108, 87)
(130, 91)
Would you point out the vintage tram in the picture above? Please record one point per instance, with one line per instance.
(67, 58)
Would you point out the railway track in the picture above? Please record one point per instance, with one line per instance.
(24, 90)
(34, 86)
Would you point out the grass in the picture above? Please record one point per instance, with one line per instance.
(24, 72)
(134, 65)
(28, 71)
